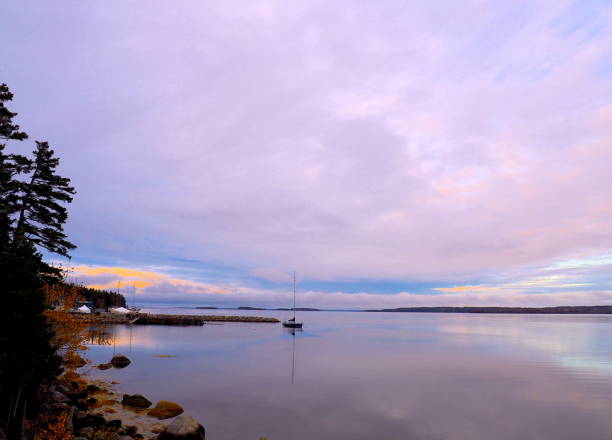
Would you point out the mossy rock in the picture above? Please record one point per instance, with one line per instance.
(136, 400)
(165, 409)
(120, 361)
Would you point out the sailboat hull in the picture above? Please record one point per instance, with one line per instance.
(292, 324)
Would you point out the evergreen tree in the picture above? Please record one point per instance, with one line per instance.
(31, 215)
(8, 129)
(41, 216)
(10, 165)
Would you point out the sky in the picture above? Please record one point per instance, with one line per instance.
(392, 153)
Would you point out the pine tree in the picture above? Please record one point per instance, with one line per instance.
(8, 129)
(41, 214)
(31, 216)
(10, 165)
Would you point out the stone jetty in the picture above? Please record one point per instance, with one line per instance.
(163, 319)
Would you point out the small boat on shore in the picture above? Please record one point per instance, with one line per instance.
(291, 323)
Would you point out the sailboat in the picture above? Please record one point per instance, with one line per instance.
(134, 308)
(291, 323)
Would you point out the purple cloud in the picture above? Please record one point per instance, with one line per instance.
(349, 140)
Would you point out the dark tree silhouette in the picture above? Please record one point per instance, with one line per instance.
(41, 216)
(31, 216)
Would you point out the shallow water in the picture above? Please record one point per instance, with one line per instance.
(351, 375)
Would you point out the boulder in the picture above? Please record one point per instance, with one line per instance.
(54, 420)
(129, 430)
(105, 435)
(120, 361)
(135, 400)
(114, 424)
(183, 428)
(82, 420)
(87, 432)
(105, 366)
(80, 404)
(63, 389)
(165, 409)
(92, 388)
(58, 397)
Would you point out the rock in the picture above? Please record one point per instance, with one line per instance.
(80, 404)
(130, 430)
(157, 428)
(92, 388)
(87, 432)
(91, 401)
(120, 361)
(135, 400)
(165, 409)
(79, 418)
(105, 435)
(58, 397)
(62, 389)
(125, 437)
(114, 424)
(84, 420)
(183, 428)
(54, 420)
(105, 366)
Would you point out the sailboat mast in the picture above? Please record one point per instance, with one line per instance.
(294, 296)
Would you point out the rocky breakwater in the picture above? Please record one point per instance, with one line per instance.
(160, 319)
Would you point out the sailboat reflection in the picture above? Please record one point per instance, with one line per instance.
(293, 331)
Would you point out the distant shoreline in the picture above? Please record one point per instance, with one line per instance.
(558, 310)
(550, 310)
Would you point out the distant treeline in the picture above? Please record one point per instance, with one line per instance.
(524, 310)
(101, 299)
(298, 309)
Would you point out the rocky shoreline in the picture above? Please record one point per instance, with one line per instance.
(81, 409)
(76, 406)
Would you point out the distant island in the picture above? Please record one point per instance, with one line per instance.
(300, 309)
(207, 307)
(297, 309)
(524, 310)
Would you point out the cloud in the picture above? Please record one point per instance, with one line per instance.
(151, 286)
(461, 289)
(452, 142)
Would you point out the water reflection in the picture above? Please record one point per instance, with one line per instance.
(292, 332)
(384, 376)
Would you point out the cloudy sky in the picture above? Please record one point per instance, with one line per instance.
(393, 153)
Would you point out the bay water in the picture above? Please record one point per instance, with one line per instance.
(366, 375)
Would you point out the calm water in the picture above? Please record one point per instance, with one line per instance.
(379, 376)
